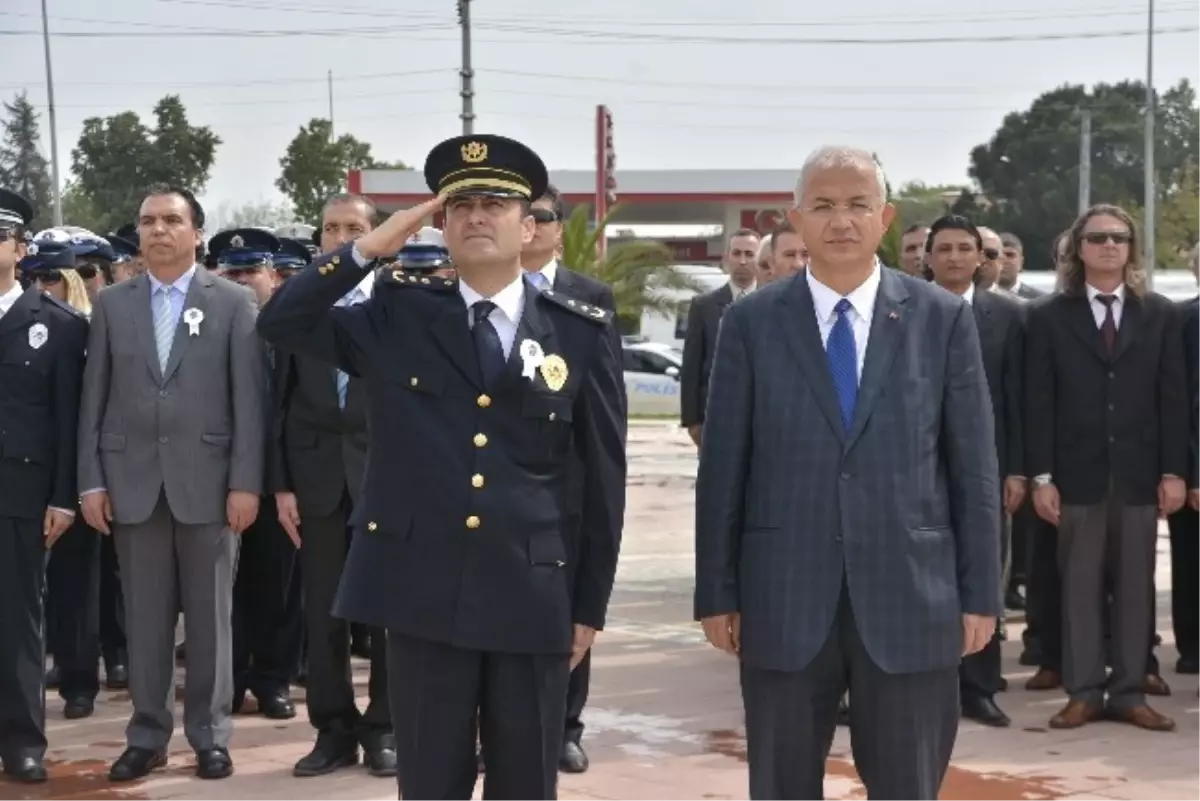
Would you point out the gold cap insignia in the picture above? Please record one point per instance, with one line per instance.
(554, 372)
(474, 152)
(237, 242)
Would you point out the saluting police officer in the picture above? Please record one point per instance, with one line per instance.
(42, 343)
(477, 390)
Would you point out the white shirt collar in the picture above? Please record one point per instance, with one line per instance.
(862, 299)
(181, 283)
(510, 300)
(969, 295)
(737, 291)
(1093, 293)
(10, 297)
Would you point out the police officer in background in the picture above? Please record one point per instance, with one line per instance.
(425, 254)
(319, 436)
(292, 257)
(478, 390)
(267, 629)
(42, 344)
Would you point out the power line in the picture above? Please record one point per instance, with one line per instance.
(240, 83)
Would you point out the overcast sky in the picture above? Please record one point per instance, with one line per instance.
(691, 83)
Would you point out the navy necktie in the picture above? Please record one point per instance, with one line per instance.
(487, 341)
(843, 361)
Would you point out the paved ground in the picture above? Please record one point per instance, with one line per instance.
(664, 715)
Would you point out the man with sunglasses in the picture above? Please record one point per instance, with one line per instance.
(42, 344)
(539, 259)
(267, 623)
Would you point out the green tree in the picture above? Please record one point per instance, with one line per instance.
(23, 168)
(117, 157)
(265, 214)
(1177, 222)
(916, 202)
(637, 271)
(316, 166)
(1029, 170)
(78, 209)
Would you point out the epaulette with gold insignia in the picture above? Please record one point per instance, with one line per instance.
(401, 278)
(67, 307)
(587, 310)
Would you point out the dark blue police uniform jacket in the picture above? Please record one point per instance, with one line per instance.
(459, 531)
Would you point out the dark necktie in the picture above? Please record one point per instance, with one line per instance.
(842, 353)
(487, 341)
(1108, 329)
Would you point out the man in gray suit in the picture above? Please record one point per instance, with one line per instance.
(171, 451)
(848, 503)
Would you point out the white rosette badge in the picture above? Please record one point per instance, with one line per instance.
(193, 317)
(532, 357)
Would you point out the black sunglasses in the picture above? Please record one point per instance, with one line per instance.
(234, 273)
(48, 277)
(543, 215)
(1101, 237)
(86, 271)
(991, 254)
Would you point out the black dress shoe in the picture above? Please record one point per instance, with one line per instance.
(213, 763)
(985, 711)
(116, 677)
(76, 708)
(1187, 666)
(380, 756)
(1003, 684)
(1014, 600)
(276, 706)
(573, 759)
(329, 754)
(27, 770)
(53, 677)
(136, 763)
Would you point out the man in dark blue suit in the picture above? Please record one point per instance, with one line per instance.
(479, 390)
(848, 502)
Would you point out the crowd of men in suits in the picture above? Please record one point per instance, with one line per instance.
(1092, 395)
(227, 479)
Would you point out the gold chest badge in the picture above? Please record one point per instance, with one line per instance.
(554, 372)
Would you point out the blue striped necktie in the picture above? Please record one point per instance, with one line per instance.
(540, 281)
(164, 325)
(843, 361)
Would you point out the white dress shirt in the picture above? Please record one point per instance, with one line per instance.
(510, 305)
(10, 297)
(739, 292)
(862, 303)
(969, 295)
(550, 271)
(1099, 310)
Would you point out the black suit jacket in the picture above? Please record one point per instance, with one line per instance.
(318, 450)
(699, 346)
(42, 345)
(1090, 416)
(1191, 350)
(999, 319)
(459, 530)
(1029, 292)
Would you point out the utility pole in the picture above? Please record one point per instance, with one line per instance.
(58, 218)
(466, 73)
(1148, 254)
(332, 137)
(1085, 160)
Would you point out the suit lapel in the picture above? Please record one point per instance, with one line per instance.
(1083, 323)
(798, 319)
(888, 327)
(1132, 318)
(198, 296)
(452, 334)
(143, 322)
(22, 311)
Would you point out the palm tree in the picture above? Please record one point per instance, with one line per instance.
(637, 271)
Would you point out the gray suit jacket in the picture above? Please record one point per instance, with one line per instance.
(906, 504)
(196, 430)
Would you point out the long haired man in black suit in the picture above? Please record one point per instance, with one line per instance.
(1106, 420)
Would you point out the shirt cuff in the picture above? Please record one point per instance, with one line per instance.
(67, 512)
(360, 259)
(89, 492)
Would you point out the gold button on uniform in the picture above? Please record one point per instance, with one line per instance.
(484, 401)
(372, 526)
(476, 481)
(480, 440)
(472, 522)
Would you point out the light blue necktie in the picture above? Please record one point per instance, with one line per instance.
(843, 361)
(540, 281)
(164, 325)
(343, 380)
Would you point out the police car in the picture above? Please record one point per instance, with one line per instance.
(652, 377)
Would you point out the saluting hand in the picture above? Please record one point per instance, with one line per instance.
(389, 237)
(241, 508)
(289, 515)
(55, 525)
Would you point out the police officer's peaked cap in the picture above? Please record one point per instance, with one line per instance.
(425, 250)
(485, 165)
(292, 254)
(46, 257)
(244, 247)
(125, 249)
(14, 210)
